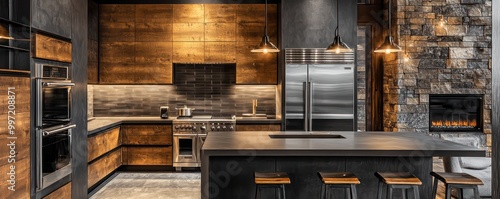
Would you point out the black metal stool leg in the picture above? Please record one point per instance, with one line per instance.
(460, 193)
(448, 191)
(354, 194)
(404, 191)
(283, 191)
(416, 192)
(389, 191)
(434, 188)
(476, 192)
(257, 192)
(348, 193)
(323, 191)
(380, 190)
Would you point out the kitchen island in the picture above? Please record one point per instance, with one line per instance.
(230, 159)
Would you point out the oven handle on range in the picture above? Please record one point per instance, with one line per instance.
(50, 132)
(186, 135)
(58, 84)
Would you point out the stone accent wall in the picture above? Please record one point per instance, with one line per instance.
(453, 59)
(361, 76)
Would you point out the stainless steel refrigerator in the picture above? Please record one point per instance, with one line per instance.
(319, 90)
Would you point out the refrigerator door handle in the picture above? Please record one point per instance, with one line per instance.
(306, 106)
(311, 93)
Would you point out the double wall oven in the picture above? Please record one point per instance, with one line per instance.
(53, 123)
(189, 136)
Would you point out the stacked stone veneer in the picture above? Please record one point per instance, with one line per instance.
(454, 59)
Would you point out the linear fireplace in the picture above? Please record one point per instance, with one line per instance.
(455, 113)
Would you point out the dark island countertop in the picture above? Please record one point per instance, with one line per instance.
(379, 144)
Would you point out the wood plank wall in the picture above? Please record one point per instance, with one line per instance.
(21, 137)
(139, 42)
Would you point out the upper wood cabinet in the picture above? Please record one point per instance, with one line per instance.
(140, 43)
(45, 47)
(52, 16)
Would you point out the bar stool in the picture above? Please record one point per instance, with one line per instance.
(459, 181)
(345, 180)
(271, 180)
(395, 180)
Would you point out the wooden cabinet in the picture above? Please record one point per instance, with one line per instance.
(15, 137)
(52, 16)
(103, 166)
(139, 43)
(45, 47)
(63, 192)
(258, 127)
(147, 144)
(147, 155)
(147, 134)
(103, 143)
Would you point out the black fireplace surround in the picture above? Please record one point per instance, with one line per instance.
(455, 113)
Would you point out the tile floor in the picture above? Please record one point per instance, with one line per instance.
(172, 185)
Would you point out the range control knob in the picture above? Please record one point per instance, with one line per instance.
(194, 128)
(218, 127)
(176, 126)
(213, 128)
(203, 128)
(231, 127)
(223, 127)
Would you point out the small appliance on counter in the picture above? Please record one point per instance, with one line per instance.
(164, 112)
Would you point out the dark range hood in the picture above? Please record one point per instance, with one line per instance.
(204, 73)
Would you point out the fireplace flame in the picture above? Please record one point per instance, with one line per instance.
(454, 124)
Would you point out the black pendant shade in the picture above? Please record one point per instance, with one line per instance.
(338, 46)
(265, 45)
(389, 46)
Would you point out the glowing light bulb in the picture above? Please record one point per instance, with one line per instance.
(387, 51)
(406, 57)
(337, 50)
(265, 50)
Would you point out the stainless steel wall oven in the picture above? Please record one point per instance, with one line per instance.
(53, 123)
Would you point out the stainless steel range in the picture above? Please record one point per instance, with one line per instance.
(189, 136)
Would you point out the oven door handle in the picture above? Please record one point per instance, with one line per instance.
(186, 135)
(56, 84)
(55, 131)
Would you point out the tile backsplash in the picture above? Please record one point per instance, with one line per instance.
(209, 88)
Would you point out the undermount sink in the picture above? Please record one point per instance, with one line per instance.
(307, 135)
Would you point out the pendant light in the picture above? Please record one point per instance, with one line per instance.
(388, 46)
(265, 45)
(338, 46)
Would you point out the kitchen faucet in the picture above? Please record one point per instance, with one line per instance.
(254, 107)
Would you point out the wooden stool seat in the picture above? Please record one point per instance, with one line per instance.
(272, 178)
(343, 180)
(402, 178)
(398, 180)
(338, 178)
(457, 178)
(458, 181)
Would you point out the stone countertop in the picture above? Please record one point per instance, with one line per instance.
(379, 144)
(99, 124)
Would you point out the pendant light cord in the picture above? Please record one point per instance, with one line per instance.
(336, 30)
(390, 8)
(265, 16)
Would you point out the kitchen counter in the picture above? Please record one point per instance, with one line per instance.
(99, 124)
(229, 160)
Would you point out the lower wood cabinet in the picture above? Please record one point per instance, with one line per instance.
(103, 166)
(258, 127)
(62, 193)
(103, 143)
(147, 155)
(147, 134)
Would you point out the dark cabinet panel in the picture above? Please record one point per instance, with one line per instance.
(52, 16)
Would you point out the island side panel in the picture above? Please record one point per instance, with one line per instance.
(233, 177)
(305, 182)
(365, 167)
